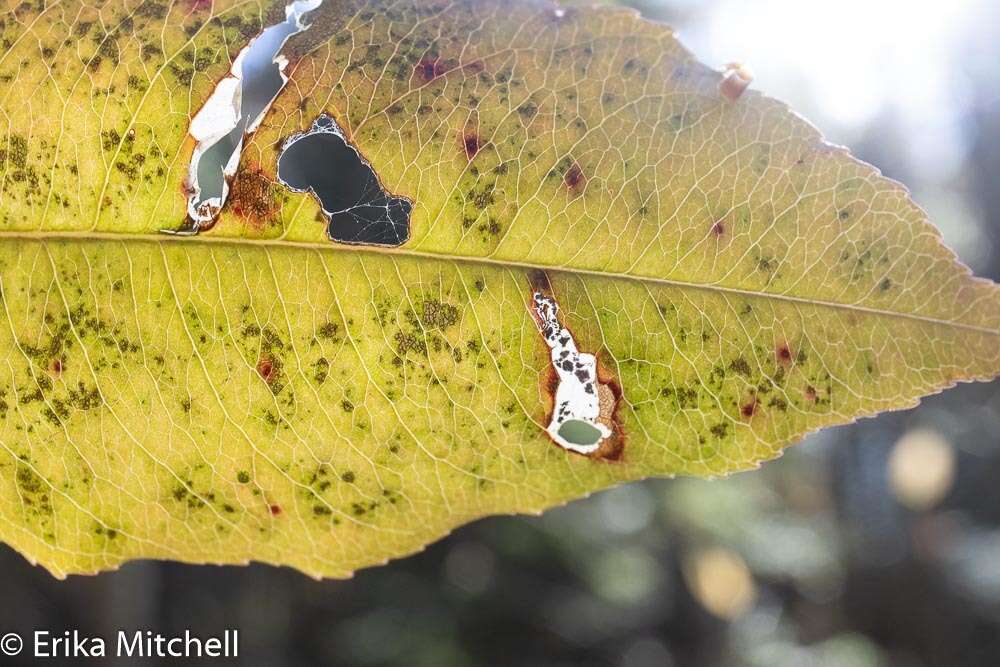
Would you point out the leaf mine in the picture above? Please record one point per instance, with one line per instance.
(581, 417)
(233, 111)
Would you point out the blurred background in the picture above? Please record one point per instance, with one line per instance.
(872, 544)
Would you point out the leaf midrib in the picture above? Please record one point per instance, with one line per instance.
(208, 239)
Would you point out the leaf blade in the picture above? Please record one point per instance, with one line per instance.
(237, 396)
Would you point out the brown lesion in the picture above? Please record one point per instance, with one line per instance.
(783, 354)
(609, 393)
(539, 281)
(429, 69)
(269, 368)
(253, 197)
(574, 177)
(472, 141)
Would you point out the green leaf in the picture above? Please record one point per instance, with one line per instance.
(259, 392)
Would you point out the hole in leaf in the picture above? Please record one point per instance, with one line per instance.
(580, 433)
(359, 210)
(234, 110)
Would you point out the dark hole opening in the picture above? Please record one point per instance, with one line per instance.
(358, 208)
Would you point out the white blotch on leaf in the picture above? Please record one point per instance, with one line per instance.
(576, 420)
(236, 108)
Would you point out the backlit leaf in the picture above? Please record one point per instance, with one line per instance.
(260, 392)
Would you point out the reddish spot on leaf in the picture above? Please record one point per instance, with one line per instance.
(472, 146)
(428, 69)
(425, 69)
(56, 366)
(275, 510)
(573, 176)
(749, 408)
(265, 368)
(719, 228)
(200, 5)
(784, 353)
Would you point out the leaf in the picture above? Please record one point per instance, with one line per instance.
(258, 392)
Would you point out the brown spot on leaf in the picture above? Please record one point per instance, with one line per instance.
(719, 228)
(471, 143)
(749, 408)
(574, 177)
(268, 369)
(610, 395)
(275, 509)
(252, 197)
(539, 281)
(783, 354)
(425, 70)
(428, 69)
